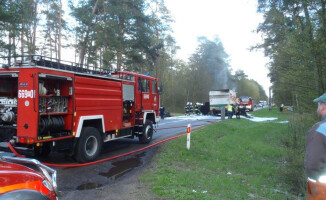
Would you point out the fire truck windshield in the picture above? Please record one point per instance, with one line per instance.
(244, 98)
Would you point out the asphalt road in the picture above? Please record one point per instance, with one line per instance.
(88, 182)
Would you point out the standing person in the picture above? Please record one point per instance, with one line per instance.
(315, 160)
(191, 109)
(187, 108)
(237, 108)
(237, 111)
(196, 108)
(162, 112)
(230, 111)
(281, 107)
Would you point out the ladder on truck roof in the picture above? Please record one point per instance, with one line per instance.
(43, 61)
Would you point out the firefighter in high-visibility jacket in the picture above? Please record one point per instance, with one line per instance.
(315, 160)
(230, 111)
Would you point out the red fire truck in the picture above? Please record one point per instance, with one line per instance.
(246, 103)
(46, 104)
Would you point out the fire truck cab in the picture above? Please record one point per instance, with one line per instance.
(46, 104)
(246, 103)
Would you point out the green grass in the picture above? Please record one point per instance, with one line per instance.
(232, 159)
(274, 112)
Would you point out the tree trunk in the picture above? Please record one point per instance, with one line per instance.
(156, 62)
(60, 27)
(33, 47)
(119, 58)
(297, 19)
(121, 47)
(56, 44)
(51, 46)
(22, 39)
(85, 42)
(9, 49)
(317, 64)
(323, 18)
(14, 44)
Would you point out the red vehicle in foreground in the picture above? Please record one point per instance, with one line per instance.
(26, 179)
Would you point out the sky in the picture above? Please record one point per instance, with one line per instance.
(233, 21)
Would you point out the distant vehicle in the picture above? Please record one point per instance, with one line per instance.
(219, 99)
(262, 103)
(167, 114)
(26, 179)
(204, 109)
(247, 103)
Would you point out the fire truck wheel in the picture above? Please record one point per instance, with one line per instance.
(147, 135)
(89, 145)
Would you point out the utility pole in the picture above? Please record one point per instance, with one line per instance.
(270, 98)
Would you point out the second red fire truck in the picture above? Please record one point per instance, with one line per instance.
(246, 103)
(46, 104)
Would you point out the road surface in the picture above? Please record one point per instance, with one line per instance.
(98, 181)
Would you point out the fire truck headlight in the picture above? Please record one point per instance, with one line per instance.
(322, 179)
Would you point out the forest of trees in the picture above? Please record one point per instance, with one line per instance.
(130, 35)
(295, 41)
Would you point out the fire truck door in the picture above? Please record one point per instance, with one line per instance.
(138, 95)
(154, 96)
(146, 95)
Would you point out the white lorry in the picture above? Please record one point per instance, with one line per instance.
(219, 99)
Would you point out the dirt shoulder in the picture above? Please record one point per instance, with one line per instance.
(125, 187)
(130, 188)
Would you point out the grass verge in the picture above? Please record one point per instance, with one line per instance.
(294, 142)
(177, 114)
(232, 159)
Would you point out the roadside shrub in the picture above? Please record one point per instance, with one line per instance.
(294, 141)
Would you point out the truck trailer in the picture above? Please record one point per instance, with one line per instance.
(220, 99)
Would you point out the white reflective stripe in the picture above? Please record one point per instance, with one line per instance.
(312, 180)
(83, 118)
(145, 115)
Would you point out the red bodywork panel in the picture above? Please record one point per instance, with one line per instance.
(99, 97)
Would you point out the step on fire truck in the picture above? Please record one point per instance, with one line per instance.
(46, 105)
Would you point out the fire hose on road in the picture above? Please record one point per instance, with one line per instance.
(111, 158)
